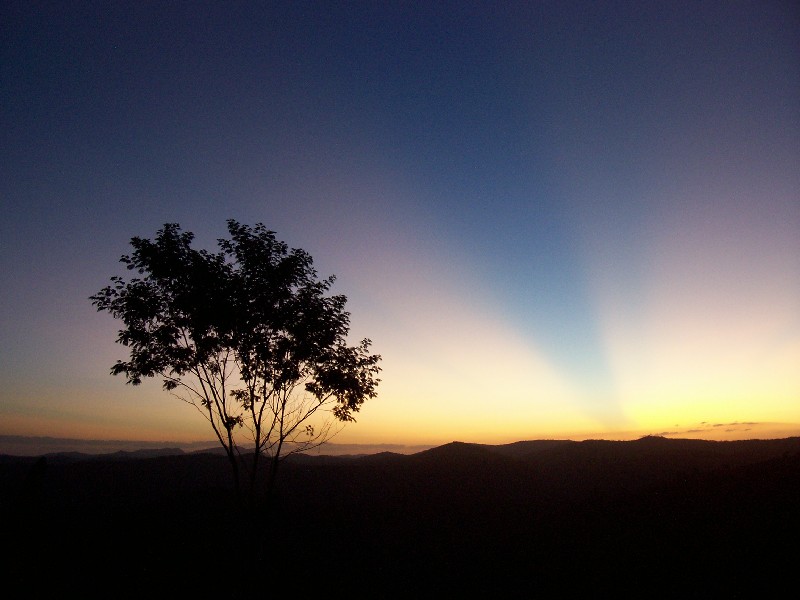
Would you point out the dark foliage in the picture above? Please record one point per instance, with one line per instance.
(248, 335)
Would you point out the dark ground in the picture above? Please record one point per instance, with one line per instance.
(650, 518)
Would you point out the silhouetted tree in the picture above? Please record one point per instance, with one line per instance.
(247, 335)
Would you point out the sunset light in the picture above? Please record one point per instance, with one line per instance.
(551, 221)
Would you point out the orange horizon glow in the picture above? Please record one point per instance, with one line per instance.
(712, 431)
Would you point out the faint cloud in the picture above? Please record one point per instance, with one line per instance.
(733, 430)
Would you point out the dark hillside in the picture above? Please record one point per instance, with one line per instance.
(530, 448)
(676, 518)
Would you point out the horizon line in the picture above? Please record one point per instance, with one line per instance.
(32, 445)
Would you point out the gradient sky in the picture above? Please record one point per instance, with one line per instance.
(553, 219)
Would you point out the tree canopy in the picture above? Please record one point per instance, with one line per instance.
(249, 335)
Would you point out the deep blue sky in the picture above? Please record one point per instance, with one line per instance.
(550, 217)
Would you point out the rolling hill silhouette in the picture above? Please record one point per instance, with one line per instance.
(685, 518)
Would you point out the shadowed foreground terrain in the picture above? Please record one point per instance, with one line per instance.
(652, 517)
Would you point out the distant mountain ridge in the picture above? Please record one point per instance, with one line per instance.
(648, 456)
(656, 452)
(688, 514)
(17, 445)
